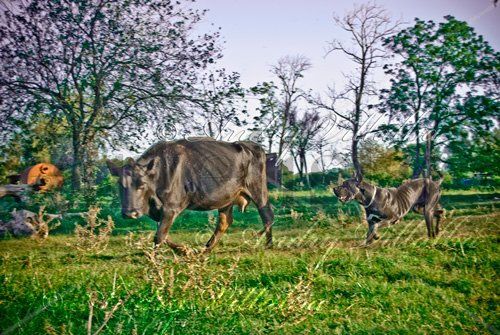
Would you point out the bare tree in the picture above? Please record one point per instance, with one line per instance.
(289, 70)
(266, 125)
(325, 148)
(368, 25)
(220, 102)
(304, 132)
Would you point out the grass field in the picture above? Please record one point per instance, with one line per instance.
(316, 278)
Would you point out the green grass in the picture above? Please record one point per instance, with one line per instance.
(316, 279)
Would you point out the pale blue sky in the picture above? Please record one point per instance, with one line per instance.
(258, 32)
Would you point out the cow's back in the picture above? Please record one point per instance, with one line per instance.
(205, 170)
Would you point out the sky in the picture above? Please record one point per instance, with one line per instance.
(258, 32)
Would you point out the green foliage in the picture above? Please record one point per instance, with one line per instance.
(318, 180)
(221, 104)
(39, 140)
(481, 154)
(447, 82)
(383, 166)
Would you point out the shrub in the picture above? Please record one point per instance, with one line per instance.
(94, 235)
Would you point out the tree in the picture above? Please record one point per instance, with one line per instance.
(266, 125)
(368, 25)
(220, 102)
(478, 154)
(446, 82)
(302, 141)
(387, 166)
(325, 150)
(289, 70)
(103, 68)
(37, 141)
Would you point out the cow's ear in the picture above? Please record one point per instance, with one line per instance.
(115, 170)
(153, 166)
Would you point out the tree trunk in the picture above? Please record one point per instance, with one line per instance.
(306, 172)
(428, 154)
(322, 159)
(297, 164)
(357, 117)
(354, 155)
(210, 129)
(76, 168)
(16, 191)
(416, 162)
(284, 123)
(88, 165)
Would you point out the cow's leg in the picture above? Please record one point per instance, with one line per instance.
(267, 216)
(438, 213)
(258, 193)
(162, 232)
(225, 220)
(429, 217)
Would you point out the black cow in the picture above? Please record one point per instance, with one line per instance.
(198, 174)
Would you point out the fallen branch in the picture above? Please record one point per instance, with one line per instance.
(27, 223)
(16, 191)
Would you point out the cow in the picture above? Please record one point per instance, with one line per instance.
(199, 174)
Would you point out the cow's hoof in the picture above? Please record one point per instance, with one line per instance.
(259, 233)
(367, 243)
(376, 237)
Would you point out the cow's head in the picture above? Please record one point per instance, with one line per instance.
(348, 190)
(137, 184)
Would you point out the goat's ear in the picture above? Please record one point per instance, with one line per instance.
(153, 167)
(115, 170)
(340, 180)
